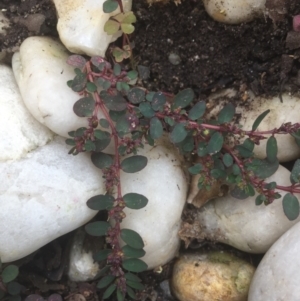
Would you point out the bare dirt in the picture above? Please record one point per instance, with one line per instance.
(262, 55)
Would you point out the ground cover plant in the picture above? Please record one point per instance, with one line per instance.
(134, 116)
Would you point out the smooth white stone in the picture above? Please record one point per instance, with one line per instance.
(42, 73)
(164, 183)
(242, 224)
(234, 11)
(277, 276)
(81, 25)
(19, 131)
(43, 196)
(280, 112)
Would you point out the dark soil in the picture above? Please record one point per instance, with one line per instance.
(262, 55)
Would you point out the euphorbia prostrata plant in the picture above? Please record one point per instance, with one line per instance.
(134, 116)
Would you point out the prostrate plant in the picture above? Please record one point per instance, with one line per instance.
(134, 116)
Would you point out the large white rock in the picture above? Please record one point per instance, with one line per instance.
(234, 11)
(280, 113)
(277, 276)
(164, 183)
(42, 73)
(81, 25)
(19, 131)
(43, 196)
(242, 224)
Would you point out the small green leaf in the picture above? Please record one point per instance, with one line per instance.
(127, 28)
(89, 146)
(79, 82)
(259, 119)
(91, 87)
(80, 132)
(104, 123)
(102, 255)
(170, 121)
(178, 133)
(97, 228)
(101, 135)
(70, 142)
(129, 17)
(102, 144)
(132, 238)
(136, 95)
(135, 285)
(123, 125)
(158, 101)
(184, 98)
(146, 109)
(99, 62)
(194, 170)
(134, 265)
(149, 96)
(262, 168)
(295, 174)
(215, 143)
(226, 114)
(109, 6)
(10, 273)
(239, 193)
(111, 27)
(105, 281)
(134, 164)
(290, 206)
(135, 200)
(84, 107)
(109, 291)
(197, 110)
(101, 160)
(132, 252)
(227, 160)
(132, 75)
(120, 295)
(114, 102)
(272, 149)
(156, 128)
(132, 277)
(101, 202)
(260, 199)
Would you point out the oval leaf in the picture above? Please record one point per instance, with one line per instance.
(136, 95)
(263, 168)
(158, 101)
(134, 164)
(135, 200)
(290, 206)
(10, 273)
(184, 98)
(109, 6)
(111, 27)
(101, 202)
(84, 107)
(14, 288)
(132, 277)
(76, 61)
(101, 160)
(132, 252)
(156, 128)
(109, 291)
(132, 238)
(146, 109)
(295, 174)
(135, 285)
(226, 114)
(97, 228)
(197, 110)
(105, 281)
(259, 119)
(178, 133)
(134, 265)
(215, 143)
(272, 149)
